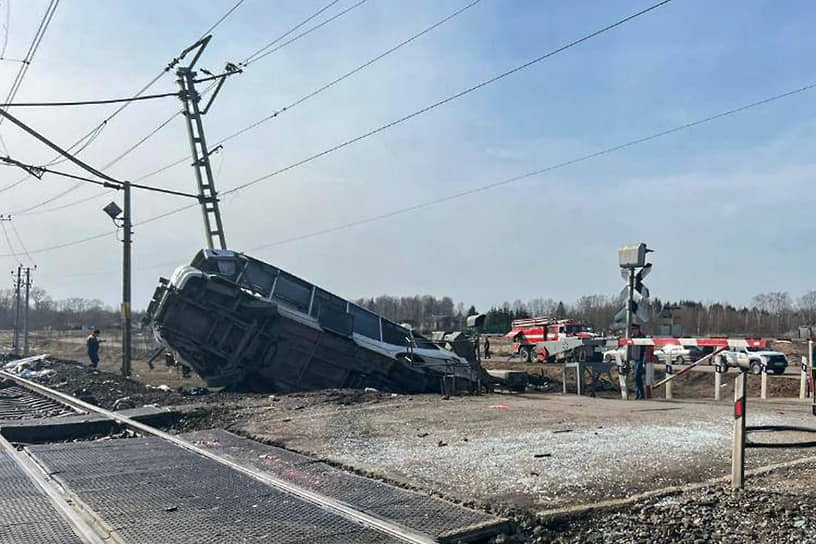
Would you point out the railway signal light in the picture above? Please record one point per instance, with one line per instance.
(634, 269)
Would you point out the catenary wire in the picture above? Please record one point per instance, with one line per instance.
(282, 36)
(20, 241)
(8, 239)
(87, 102)
(94, 133)
(307, 32)
(347, 74)
(576, 160)
(113, 183)
(6, 29)
(222, 18)
(450, 98)
(319, 89)
(32, 50)
(185, 158)
(430, 107)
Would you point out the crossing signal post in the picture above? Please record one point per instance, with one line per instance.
(634, 269)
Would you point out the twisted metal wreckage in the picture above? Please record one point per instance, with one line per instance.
(239, 322)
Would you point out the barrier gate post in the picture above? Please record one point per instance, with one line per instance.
(812, 378)
(803, 381)
(738, 454)
(717, 385)
(669, 372)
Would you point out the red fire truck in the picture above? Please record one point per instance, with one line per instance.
(546, 339)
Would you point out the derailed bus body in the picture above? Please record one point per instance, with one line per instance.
(238, 321)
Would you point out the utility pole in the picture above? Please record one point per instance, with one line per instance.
(25, 311)
(630, 302)
(15, 346)
(126, 223)
(208, 197)
(126, 291)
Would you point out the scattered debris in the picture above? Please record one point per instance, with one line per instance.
(124, 403)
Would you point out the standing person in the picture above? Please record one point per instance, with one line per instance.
(640, 351)
(93, 348)
(487, 348)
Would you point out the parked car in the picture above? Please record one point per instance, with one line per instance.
(678, 354)
(755, 358)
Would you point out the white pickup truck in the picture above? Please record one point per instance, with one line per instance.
(755, 358)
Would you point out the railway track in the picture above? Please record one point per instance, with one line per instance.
(94, 486)
(17, 402)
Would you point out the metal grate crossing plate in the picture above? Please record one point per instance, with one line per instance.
(149, 491)
(445, 521)
(26, 513)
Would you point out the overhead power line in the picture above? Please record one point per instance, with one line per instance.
(94, 133)
(109, 182)
(87, 102)
(185, 158)
(450, 98)
(320, 89)
(348, 74)
(20, 241)
(411, 115)
(6, 30)
(257, 57)
(431, 106)
(3, 220)
(32, 50)
(576, 160)
(222, 18)
(282, 36)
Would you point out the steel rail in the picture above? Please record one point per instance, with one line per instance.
(327, 503)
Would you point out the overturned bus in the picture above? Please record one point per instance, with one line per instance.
(242, 323)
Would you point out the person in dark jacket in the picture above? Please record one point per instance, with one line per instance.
(639, 356)
(93, 348)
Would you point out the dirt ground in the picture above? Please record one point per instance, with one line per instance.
(70, 345)
(536, 457)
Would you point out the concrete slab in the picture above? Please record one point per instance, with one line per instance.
(57, 429)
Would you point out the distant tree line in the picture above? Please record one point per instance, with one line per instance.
(70, 313)
(769, 314)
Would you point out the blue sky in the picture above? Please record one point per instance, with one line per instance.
(726, 205)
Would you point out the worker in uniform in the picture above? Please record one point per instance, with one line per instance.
(487, 348)
(92, 344)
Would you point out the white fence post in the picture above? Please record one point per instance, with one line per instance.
(763, 394)
(738, 453)
(717, 385)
